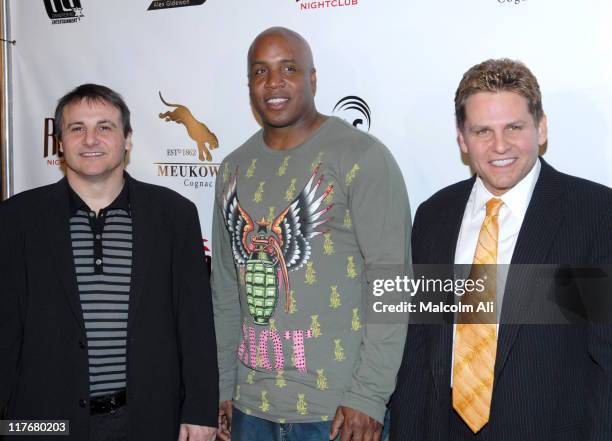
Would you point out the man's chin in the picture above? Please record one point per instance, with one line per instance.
(92, 175)
(277, 123)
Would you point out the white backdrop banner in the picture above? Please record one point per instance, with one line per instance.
(391, 67)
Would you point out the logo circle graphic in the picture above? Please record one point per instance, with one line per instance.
(354, 110)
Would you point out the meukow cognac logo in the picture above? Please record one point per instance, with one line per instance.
(193, 164)
(205, 139)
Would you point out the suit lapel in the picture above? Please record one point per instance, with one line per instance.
(452, 216)
(142, 236)
(448, 233)
(536, 236)
(57, 215)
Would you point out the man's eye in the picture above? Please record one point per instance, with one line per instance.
(76, 129)
(104, 128)
(482, 132)
(291, 68)
(514, 128)
(259, 71)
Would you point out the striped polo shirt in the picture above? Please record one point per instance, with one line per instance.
(102, 251)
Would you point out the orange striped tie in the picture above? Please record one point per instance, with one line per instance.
(476, 335)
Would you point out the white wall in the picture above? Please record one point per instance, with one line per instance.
(404, 58)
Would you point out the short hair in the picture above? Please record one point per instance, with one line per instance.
(92, 93)
(498, 76)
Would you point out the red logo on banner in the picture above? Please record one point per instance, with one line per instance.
(207, 257)
(323, 4)
(51, 144)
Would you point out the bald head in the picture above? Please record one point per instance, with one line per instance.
(283, 82)
(300, 45)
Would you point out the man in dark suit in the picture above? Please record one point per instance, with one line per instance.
(105, 317)
(512, 381)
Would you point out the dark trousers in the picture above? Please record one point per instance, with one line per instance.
(109, 426)
(250, 428)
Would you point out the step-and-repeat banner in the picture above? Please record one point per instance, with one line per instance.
(390, 67)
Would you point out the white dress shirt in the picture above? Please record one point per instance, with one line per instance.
(511, 215)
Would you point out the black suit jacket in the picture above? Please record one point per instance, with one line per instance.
(171, 349)
(552, 382)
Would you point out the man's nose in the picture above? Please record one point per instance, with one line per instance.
(275, 79)
(501, 144)
(91, 137)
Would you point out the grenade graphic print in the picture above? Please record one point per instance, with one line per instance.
(277, 247)
(261, 276)
(261, 286)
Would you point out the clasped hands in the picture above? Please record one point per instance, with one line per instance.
(348, 423)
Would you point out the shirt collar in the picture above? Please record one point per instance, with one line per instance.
(122, 201)
(516, 199)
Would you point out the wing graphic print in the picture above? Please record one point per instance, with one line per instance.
(297, 224)
(238, 223)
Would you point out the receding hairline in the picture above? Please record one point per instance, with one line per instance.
(287, 34)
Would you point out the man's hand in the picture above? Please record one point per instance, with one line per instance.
(354, 425)
(225, 420)
(191, 432)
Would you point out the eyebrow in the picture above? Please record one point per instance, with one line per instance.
(107, 121)
(477, 127)
(286, 60)
(488, 126)
(102, 121)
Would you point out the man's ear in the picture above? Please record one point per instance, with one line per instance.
(461, 141)
(542, 131)
(313, 81)
(128, 142)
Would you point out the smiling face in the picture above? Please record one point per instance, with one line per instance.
(93, 141)
(282, 80)
(501, 138)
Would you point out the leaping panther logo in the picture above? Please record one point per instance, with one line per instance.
(196, 130)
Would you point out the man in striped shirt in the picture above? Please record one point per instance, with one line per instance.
(141, 354)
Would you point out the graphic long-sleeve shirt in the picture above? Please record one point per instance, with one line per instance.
(293, 234)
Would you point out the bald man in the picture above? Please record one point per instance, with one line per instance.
(301, 208)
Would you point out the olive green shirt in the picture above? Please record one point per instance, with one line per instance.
(293, 231)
